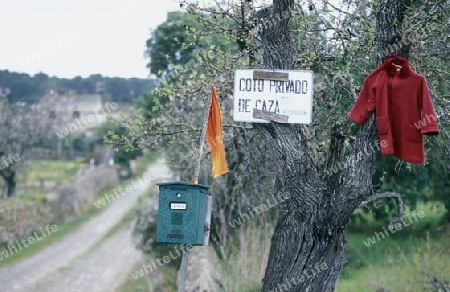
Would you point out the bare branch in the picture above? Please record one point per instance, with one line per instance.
(396, 196)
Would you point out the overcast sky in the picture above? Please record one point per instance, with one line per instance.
(69, 38)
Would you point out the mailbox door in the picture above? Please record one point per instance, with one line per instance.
(181, 215)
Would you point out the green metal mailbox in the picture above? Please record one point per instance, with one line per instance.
(182, 214)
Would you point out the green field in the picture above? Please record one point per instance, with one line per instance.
(28, 180)
(51, 170)
(407, 260)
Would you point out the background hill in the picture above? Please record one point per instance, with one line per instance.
(21, 87)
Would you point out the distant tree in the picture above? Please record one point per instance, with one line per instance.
(122, 156)
(167, 44)
(26, 88)
(20, 129)
(21, 85)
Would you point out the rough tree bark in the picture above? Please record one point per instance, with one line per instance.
(307, 249)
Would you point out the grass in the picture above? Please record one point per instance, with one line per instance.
(246, 259)
(407, 260)
(68, 227)
(434, 211)
(401, 265)
(13, 202)
(403, 261)
(138, 285)
(54, 171)
(51, 170)
(242, 270)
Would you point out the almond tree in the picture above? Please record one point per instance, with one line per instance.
(20, 129)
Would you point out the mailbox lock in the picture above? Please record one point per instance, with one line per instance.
(178, 195)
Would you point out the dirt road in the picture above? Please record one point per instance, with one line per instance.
(79, 261)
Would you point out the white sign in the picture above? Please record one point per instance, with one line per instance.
(278, 91)
(177, 206)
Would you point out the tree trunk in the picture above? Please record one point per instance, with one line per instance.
(307, 250)
(10, 179)
(308, 242)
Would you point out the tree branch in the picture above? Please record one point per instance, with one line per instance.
(398, 199)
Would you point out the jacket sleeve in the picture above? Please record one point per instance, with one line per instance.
(365, 103)
(428, 114)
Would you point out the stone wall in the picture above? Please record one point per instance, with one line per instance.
(75, 197)
(20, 220)
(63, 204)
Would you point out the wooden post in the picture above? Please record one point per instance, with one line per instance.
(183, 269)
(185, 257)
(202, 140)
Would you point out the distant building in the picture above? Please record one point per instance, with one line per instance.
(73, 113)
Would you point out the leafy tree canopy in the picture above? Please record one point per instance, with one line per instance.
(21, 87)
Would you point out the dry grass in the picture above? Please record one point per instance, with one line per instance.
(246, 259)
(423, 266)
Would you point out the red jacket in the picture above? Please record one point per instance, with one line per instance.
(404, 109)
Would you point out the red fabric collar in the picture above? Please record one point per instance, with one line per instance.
(391, 69)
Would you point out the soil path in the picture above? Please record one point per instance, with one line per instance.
(81, 261)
